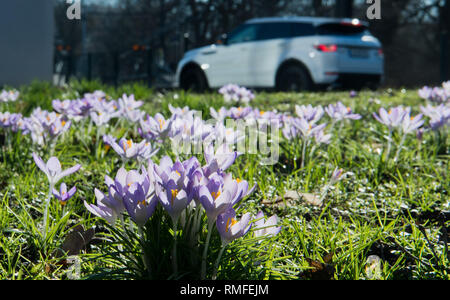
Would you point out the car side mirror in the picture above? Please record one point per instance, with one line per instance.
(223, 40)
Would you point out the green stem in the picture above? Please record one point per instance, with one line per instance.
(303, 154)
(144, 255)
(389, 145)
(400, 148)
(205, 250)
(174, 249)
(47, 206)
(97, 142)
(216, 265)
(324, 193)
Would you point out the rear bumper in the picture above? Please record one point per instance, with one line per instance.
(349, 80)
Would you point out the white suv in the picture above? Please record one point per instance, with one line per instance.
(292, 53)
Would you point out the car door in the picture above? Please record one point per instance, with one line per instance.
(272, 43)
(229, 63)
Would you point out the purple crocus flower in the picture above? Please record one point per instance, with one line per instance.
(155, 128)
(215, 195)
(129, 103)
(109, 139)
(220, 160)
(63, 195)
(10, 120)
(307, 129)
(219, 115)
(235, 93)
(353, 94)
(239, 112)
(189, 129)
(446, 88)
(173, 187)
(127, 149)
(43, 125)
(140, 200)
(146, 151)
(221, 134)
(411, 124)
(321, 137)
(229, 228)
(336, 176)
(289, 130)
(95, 96)
(53, 169)
(100, 118)
(174, 198)
(426, 93)
(440, 95)
(439, 115)
(9, 96)
(58, 127)
(267, 228)
(117, 189)
(339, 112)
(229, 92)
(128, 106)
(243, 188)
(180, 111)
(311, 114)
(393, 118)
(101, 209)
(79, 109)
(61, 106)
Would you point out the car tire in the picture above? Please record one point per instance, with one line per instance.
(293, 78)
(193, 80)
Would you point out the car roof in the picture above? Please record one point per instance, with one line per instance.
(314, 20)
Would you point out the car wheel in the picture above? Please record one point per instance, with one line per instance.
(193, 80)
(294, 78)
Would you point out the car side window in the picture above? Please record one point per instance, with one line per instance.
(268, 31)
(303, 29)
(245, 33)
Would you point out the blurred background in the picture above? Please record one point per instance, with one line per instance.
(117, 41)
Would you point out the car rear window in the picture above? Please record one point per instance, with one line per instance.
(302, 29)
(340, 29)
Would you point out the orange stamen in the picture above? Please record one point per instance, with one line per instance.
(174, 195)
(233, 222)
(215, 195)
(161, 123)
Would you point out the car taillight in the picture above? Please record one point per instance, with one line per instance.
(326, 48)
(354, 22)
(380, 52)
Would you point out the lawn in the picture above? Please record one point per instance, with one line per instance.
(348, 207)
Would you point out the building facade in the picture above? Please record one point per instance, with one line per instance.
(26, 41)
